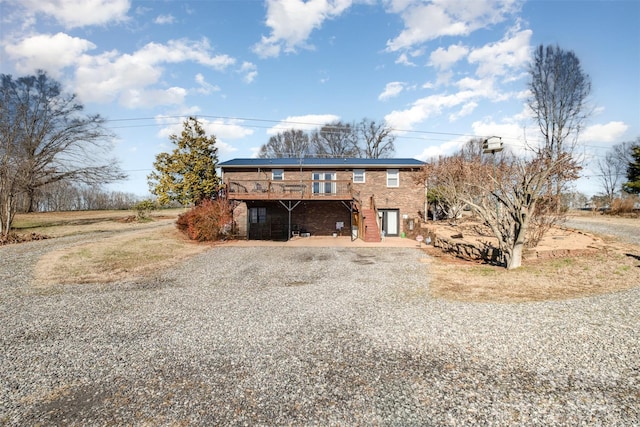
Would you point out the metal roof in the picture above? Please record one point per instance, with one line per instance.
(290, 162)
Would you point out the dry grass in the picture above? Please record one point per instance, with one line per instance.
(59, 224)
(539, 280)
(141, 249)
(136, 249)
(129, 255)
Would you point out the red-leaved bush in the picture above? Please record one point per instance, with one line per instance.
(208, 221)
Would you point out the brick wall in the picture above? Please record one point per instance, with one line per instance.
(408, 197)
(319, 218)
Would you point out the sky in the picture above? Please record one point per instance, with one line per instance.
(438, 72)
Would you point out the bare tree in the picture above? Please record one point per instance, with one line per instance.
(446, 178)
(336, 139)
(45, 138)
(559, 90)
(519, 185)
(504, 192)
(610, 174)
(368, 139)
(611, 169)
(377, 139)
(290, 143)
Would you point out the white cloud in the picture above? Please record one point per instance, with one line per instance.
(504, 59)
(445, 58)
(403, 59)
(226, 128)
(608, 132)
(164, 19)
(224, 149)
(508, 130)
(110, 75)
(497, 59)
(466, 109)
(391, 90)
(483, 88)
(222, 129)
(205, 87)
(47, 52)
(250, 71)
(292, 21)
(306, 123)
(182, 50)
(426, 107)
(446, 148)
(80, 13)
(135, 98)
(428, 21)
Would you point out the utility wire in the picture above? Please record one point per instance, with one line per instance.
(405, 134)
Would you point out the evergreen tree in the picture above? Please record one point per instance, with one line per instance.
(633, 171)
(188, 174)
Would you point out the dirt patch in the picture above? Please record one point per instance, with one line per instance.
(14, 238)
(558, 242)
(567, 264)
(125, 256)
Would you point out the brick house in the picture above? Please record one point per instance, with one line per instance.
(275, 199)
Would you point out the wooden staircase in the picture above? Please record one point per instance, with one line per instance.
(372, 233)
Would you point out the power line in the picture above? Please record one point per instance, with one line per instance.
(509, 141)
(250, 119)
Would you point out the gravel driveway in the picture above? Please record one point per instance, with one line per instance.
(307, 336)
(626, 230)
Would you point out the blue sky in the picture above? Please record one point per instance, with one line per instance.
(439, 72)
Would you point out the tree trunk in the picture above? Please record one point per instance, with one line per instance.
(515, 258)
(6, 216)
(30, 194)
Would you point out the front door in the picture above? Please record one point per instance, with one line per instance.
(390, 224)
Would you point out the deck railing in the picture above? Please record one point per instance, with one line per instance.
(258, 189)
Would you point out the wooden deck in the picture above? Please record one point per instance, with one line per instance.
(289, 190)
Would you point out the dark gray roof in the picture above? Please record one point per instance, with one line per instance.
(321, 163)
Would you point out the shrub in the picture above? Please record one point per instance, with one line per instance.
(621, 206)
(143, 208)
(210, 220)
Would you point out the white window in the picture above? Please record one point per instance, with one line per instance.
(258, 215)
(323, 182)
(277, 174)
(393, 178)
(358, 175)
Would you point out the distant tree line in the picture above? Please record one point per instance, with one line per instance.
(366, 139)
(66, 196)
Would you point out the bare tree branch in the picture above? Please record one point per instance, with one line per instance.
(45, 138)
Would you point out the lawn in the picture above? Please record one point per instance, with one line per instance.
(130, 250)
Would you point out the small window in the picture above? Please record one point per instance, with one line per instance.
(277, 174)
(358, 175)
(258, 215)
(393, 178)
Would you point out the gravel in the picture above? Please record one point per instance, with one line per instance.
(306, 336)
(629, 232)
